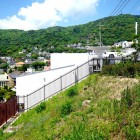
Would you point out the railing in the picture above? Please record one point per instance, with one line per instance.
(63, 82)
(8, 109)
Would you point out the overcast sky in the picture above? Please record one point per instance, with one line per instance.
(38, 14)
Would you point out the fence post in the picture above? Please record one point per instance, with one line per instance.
(24, 102)
(27, 101)
(6, 112)
(14, 100)
(77, 75)
(61, 82)
(18, 103)
(44, 92)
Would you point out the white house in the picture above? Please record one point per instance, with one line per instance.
(65, 59)
(123, 44)
(28, 83)
(5, 80)
(35, 87)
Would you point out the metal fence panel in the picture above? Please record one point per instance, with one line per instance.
(69, 79)
(53, 87)
(83, 71)
(8, 109)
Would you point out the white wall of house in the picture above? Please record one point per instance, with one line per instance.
(29, 83)
(124, 44)
(64, 59)
(4, 79)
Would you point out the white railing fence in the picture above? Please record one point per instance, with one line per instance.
(61, 83)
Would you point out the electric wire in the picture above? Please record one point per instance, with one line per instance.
(116, 7)
(134, 6)
(123, 5)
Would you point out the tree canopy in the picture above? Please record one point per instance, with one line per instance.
(114, 29)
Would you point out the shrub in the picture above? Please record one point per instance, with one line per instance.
(126, 100)
(72, 91)
(80, 132)
(127, 69)
(131, 133)
(1, 132)
(41, 107)
(66, 108)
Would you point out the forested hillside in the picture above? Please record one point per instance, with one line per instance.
(114, 29)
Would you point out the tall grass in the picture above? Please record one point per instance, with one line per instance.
(64, 117)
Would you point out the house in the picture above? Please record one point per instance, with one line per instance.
(24, 50)
(123, 44)
(19, 64)
(6, 80)
(41, 59)
(12, 64)
(14, 75)
(28, 55)
(29, 82)
(65, 59)
(30, 70)
(28, 61)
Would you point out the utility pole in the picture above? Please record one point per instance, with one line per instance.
(100, 36)
(136, 31)
(100, 52)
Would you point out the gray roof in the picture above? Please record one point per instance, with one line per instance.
(98, 48)
(15, 74)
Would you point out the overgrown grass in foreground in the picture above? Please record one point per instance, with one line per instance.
(106, 117)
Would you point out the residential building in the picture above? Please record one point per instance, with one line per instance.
(6, 80)
(12, 64)
(14, 75)
(123, 44)
(19, 64)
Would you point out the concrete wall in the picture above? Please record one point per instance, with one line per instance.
(64, 59)
(29, 83)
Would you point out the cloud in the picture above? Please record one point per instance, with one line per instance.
(48, 13)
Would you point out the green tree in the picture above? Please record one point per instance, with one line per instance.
(4, 66)
(38, 64)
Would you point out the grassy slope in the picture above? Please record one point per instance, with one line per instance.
(106, 118)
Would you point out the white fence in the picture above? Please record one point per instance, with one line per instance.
(64, 81)
(54, 87)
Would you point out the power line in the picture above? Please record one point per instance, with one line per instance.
(122, 7)
(134, 6)
(116, 7)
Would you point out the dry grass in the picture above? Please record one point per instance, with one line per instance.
(114, 86)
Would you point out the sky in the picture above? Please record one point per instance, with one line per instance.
(40, 14)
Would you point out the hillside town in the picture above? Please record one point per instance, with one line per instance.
(70, 70)
(12, 68)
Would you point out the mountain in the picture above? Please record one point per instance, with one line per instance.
(113, 29)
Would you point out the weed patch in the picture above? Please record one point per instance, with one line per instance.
(41, 107)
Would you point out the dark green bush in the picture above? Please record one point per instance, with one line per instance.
(72, 91)
(1, 132)
(41, 107)
(127, 69)
(66, 108)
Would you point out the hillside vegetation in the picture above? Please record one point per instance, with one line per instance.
(98, 108)
(114, 29)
